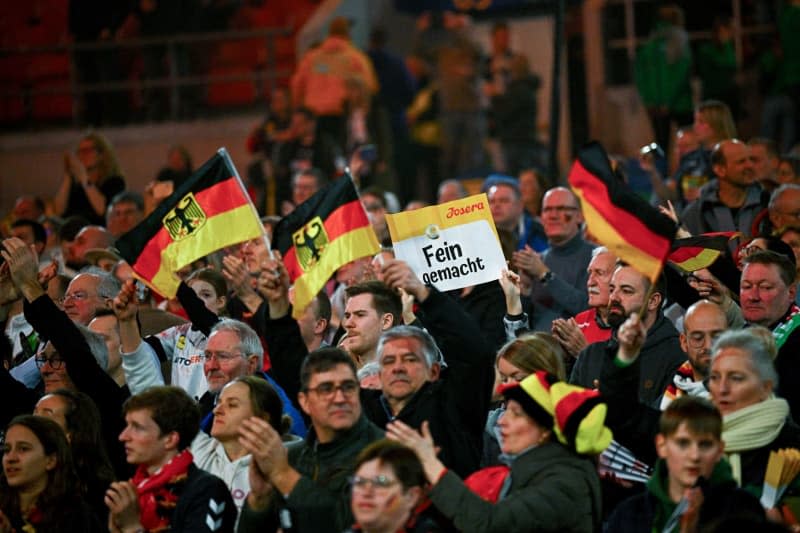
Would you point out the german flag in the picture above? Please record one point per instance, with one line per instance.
(207, 212)
(326, 231)
(701, 251)
(622, 221)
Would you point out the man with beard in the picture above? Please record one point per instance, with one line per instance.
(703, 323)
(661, 354)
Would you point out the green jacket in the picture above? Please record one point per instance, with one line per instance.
(660, 83)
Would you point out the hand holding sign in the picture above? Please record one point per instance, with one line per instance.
(398, 275)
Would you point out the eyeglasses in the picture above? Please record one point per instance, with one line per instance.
(698, 338)
(55, 362)
(77, 296)
(327, 390)
(378, 482)
(560, 209)
(373, 207)
(221, 357)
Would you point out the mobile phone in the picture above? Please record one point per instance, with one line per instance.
(368, 153)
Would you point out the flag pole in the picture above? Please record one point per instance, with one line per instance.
(223, 152)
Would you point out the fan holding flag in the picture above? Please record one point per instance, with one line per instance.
(641, 237)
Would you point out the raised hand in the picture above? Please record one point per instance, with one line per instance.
(398, 275)
(631, 336)
(422, 444)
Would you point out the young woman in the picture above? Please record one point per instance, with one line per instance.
(221, 454)
(37, 487)
(516, 360)
(79, 418)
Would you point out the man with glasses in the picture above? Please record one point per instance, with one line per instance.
(703, 323)
(87, 293)
(305, 489)
(559, 273)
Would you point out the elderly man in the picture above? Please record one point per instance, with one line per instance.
(560, 273)
(591, 325)
(767, 293)
(784, 206)
(88, 293)
(306, 489)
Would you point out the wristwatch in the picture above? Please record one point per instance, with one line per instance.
(547, 276)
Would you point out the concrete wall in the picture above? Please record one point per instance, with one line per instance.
(32, 163)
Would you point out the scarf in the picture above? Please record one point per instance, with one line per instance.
(683, 383)
(157, 492)
(786, 328)
(753, 427)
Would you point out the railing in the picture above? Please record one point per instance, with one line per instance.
(264, 79)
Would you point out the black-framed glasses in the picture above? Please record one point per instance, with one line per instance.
(328, 389)
(380, 482)
(55, 362)
(698, 338)
(221, 357)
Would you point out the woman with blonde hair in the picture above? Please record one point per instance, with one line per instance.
(92, 177)
(516, 360)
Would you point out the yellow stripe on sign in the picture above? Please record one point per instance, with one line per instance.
(410, 224)
(352, 245)
(219, 231)
(644, 263)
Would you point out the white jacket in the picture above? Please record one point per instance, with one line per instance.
(210, 456)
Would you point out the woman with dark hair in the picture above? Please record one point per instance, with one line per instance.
(387, 488)
(221, 453)
(78, 417)
(789, 169)
(37, 487)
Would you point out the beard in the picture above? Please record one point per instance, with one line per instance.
(616, 315)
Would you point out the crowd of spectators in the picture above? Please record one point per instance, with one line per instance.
(572, 394)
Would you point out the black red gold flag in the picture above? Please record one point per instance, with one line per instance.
(328, 230)
(621, 220)
(209, 211)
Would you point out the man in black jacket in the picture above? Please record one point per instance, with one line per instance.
(452, 392)
(167, 492)
(306, 489)
(661, 354)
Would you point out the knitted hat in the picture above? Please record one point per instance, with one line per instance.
(574, 414)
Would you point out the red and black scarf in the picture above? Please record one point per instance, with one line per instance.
(158, 493)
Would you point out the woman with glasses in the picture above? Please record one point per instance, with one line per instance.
(387, 489)
(38, 483)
